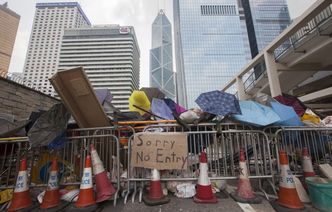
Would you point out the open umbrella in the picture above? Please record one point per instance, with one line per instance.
(292, 101)
(138, 99)
(288, 116)
(176, 108)
(153, 93)
(256, 114)
(160, 108)
(218, 103)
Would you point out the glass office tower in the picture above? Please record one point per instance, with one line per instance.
(265, 20)
(209, 46)
(161, 59)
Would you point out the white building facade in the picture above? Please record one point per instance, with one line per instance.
(110, 57)
(45, 40)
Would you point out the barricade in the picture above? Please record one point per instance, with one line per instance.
(70, 157)
(318, 140)
(222, 144)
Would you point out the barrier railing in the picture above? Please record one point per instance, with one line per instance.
(292, 139)
(222, 148)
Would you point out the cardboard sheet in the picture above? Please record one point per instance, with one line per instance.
(78, 96)
(160, 150)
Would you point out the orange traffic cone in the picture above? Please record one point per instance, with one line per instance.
(52, 195)
(85, 196)
(104, 187)
(308, 170)
(203, 188)
(287, 194)
(155, 196)
(21, 197)
(244, 191)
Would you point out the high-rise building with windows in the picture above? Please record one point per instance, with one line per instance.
(110, 57)
(161, 60)
(9, 21)
(265, 20)
(44, 46)
(209, 45)
(215, 38)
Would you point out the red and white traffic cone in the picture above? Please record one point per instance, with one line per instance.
(204, 192)
(86, 196)
(104, 187)
(244, 191)
(52, 195)
(287, 194)
(308, 170)
(21, 197)
(155, 196)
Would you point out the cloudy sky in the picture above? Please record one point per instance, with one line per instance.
(137, 13)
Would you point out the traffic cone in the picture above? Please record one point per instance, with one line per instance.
(85, 196)
(204, 192)
(155, 196)
(287, 194)
(244, 191)
(104, 187)
(52, 195)
(21, 197)
(308, 170)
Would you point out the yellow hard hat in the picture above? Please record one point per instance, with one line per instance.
(139, 98)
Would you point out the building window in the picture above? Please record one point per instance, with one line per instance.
(218, 10)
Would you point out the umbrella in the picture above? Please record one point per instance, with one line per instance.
(256, 114)
(104, 95)
(288, 116)
(153, 93)
(176, 108)
(139, 99)
(292, 101)
(218, 103)
(160, 108)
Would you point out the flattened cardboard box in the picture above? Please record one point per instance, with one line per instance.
(78, 96)
(160, 150)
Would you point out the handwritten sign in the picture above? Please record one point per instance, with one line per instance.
(159, 150)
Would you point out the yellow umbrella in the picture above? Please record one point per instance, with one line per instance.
(139, 99)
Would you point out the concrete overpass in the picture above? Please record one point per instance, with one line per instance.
(297, 62)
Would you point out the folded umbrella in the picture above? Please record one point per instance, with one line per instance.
(138, 99)
(160, 108)
(218, 103)
(256, 114)
(287, 114)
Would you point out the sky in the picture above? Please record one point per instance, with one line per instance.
(137, 13)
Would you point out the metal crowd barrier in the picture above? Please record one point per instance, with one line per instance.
(71, 157)
(222, 146)
(318, 140)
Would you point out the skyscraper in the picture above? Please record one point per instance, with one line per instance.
(109, 55)
(209, 45)
(9, 21)
(44, 46)
(161, 60)
(265, 20)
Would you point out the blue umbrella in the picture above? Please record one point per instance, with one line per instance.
(160, 108)
(218, 103)
(256, 114)
(287, 114)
